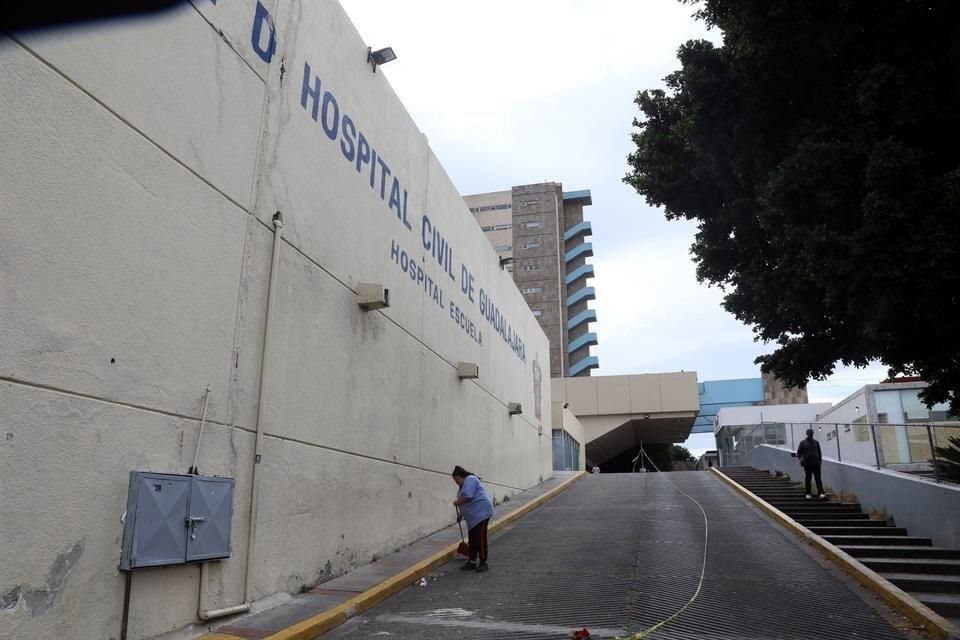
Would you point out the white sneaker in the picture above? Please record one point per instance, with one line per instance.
(823, 496)
(808, 496)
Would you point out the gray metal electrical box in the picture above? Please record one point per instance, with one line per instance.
(175, 519)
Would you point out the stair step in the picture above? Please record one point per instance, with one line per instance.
(789, 495)
(880, 541)
(793, 507)
(913, 565)
(859, 531)
(815, 522)
(830, 516)
(946, 604)
(925, 582)
(800, 503)
(900, 551)
(833, 507)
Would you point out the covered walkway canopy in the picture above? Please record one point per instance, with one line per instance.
(621, 412)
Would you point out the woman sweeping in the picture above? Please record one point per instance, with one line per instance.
(476, 508)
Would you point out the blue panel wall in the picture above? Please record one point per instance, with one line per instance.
(716, 394)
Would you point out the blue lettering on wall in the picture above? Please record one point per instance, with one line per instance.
(349, 133)
(357, 150)
(311, 90)
(437, 245)
(330, 117)
(416, 273)
(327, 112)
(256, 37)
(384, 172)
(363, 151)
(499, 323)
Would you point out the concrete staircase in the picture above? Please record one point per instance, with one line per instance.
(930, 574)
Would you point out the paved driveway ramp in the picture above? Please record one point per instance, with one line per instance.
(618, 554)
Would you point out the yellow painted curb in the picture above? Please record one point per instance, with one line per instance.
(331, 618)
(896, 597)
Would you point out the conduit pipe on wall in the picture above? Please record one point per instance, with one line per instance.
(261, 405)
(207, 614)
(203, 422)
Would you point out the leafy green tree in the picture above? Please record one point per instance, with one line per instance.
(681, 454)
(817, 151)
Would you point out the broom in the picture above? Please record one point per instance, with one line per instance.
(463, 548)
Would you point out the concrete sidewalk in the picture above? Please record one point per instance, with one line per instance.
(336, 601)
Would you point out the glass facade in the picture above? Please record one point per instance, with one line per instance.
(566, 452)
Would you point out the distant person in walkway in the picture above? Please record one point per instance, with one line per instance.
(476, 508)
(810, 459)
(595, 469)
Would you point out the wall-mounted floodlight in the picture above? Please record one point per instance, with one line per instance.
(514, 408)
(566, 405)
(467, 370)
(505, 261)
(380, 56)
(372, 296)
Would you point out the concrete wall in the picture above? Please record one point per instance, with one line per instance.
(924, 507)
(143, 162)
(629, 394)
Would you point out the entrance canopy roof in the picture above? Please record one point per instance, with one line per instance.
(620, 412)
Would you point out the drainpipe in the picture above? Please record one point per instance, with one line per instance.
(202, 612)
(261, 405)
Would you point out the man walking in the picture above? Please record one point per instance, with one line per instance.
(810, 459)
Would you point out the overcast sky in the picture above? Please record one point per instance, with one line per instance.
(530, 91)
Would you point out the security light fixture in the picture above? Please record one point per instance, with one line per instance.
(505, 261)
(514, 408)
(380, 56)
(468, 370)
(372, 296)
(566, 405)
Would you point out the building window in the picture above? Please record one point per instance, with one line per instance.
(486, 228)
(913, 409)
(533, 224)
(532, 244)
(501, 227)
(537, 312)
(532, 289)
(503, 247)
(510, 268)
(492, 207)
(531, 267)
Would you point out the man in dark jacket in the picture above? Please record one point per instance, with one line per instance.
(810, 458)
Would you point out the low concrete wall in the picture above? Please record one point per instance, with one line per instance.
(922, 506)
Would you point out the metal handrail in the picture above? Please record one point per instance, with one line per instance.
(898, 447)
